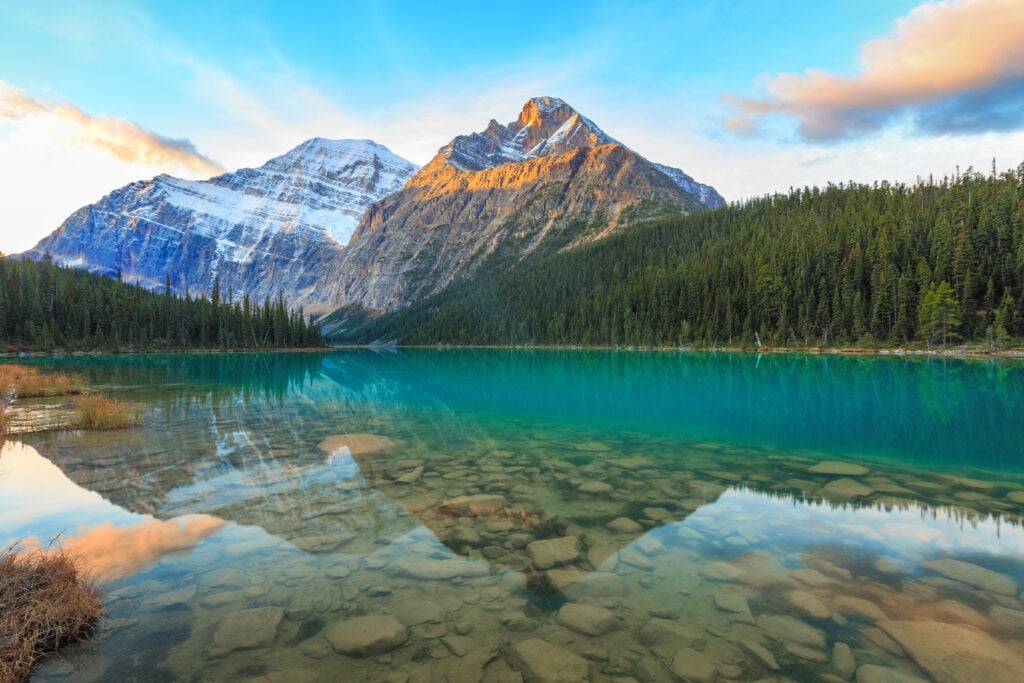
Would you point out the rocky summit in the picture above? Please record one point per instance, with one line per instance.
(551, 179)
(261, 231)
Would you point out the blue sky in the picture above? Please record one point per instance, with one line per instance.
(101, 93)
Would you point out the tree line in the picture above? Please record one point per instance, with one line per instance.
(45, 307)
(934, 263)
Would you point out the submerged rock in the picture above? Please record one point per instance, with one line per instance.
(554, 552)
(735, 605)
(808, 604)
(760, 653)
(474, 506)
(440, 570)
(324, 543)
(840, 468)
(857, 608)
(246, 630)
(541, 662)
(413, 613)
(624, 525)
(462, 534)
(588, 620)
(951, 653)
(812, 577)
(872, 673)
(357, 444)
(366, 636)
(846, 488)
(843, 662)
(595, 585)
(973, 575)
(595, 487)
(694, 666)
(658, 631)
(410, 477)
(790, 630)
(721, 571)
(173, 598)
(458, 645)
(1009, 619)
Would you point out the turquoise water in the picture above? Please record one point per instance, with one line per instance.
(536, 514)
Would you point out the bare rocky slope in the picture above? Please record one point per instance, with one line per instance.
(550, 179)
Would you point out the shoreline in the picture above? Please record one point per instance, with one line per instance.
(949, 352)
(66, 354)
(972, 352)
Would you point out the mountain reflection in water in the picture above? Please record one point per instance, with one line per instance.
(638, 515)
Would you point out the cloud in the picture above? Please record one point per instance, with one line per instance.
(112, 552)
(953, 67)
(117, 137)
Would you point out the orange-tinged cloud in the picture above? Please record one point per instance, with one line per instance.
(954, 66)
(111, 552)
(120, 138)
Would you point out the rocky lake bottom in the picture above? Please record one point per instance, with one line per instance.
(247, 537)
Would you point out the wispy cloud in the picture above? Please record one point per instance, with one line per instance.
(954, 67)
(120, 138)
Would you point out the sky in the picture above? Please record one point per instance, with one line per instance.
(750, 96)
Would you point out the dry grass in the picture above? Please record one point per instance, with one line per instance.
(45, 602)
(100, 412)
(26, 382)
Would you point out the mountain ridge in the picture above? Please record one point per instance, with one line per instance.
(335, 223)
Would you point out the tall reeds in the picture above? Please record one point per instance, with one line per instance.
(100, 412)
(92, 411)
(28, 382)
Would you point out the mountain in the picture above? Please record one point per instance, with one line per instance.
(887, 264)
(549, 180)
(261, 231)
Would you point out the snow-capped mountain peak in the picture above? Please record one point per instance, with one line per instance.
(259, 230)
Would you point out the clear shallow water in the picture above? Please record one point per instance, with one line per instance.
(685, 517)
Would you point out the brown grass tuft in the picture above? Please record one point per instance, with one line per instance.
(45, 602)
(26, 382)
(100, 412)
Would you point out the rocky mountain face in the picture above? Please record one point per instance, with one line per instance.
(550, 179)
(261, 231)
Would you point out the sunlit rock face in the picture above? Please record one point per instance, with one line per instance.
(550, 179)
(262, 231)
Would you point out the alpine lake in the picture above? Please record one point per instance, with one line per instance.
(517, 515)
